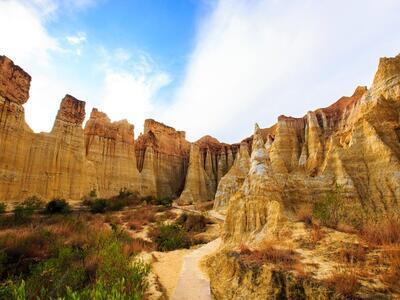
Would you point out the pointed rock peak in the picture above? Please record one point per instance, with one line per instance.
(71, 110)
(259, 155)
(258, 142)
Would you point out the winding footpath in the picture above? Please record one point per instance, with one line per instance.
(193, 283)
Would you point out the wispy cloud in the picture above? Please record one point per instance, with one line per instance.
(124, 83)
(255, 60)
(132, 80)
(77, 39)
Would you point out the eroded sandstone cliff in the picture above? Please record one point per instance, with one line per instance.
(70, 161)
(351, 147)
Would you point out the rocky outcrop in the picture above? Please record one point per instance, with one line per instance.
(254, 212)
(353, 144)
(169, 152)
(233, 180)
(70, 161)
(14, 82)
(197, 183)
(216, 159)
(110, 151)
(15, 135)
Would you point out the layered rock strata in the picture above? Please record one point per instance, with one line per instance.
(215, 159)
(233, 180)
(254, 211)
(110, 150)
(162, 155)
(197, 183)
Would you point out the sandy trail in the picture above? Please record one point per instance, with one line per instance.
(193, 283)
(167, 267)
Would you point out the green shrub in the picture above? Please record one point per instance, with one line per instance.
(24, 210)
(328, 211)
(50, 278)
(169, 237)
(3, 207)
(98, 206)
(124, 192)
(57, 206)
(164, 201)
(83, 262)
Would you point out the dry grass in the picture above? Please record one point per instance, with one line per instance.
(392, 276)
(168, 215)
(304, 214)
(346, 228)
(138, 245)
(286, 258)
(316, 234)
(352, 254)
(137, 219)
(345, 284)
(386, 232)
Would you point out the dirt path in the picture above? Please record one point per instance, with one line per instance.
(193, 283)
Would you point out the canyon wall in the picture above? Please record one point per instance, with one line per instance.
(70, 161)
(351, 147)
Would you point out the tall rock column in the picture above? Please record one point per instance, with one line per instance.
(110, 149)
(56, 163)
(254, 212)
(197, 188)
(15, 135)
(233, 180)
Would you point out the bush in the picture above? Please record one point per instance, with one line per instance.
(169, 237)
(328, 210)
(58, 206)
(55, 274)
(3, 207)
(70, 258)
(164, 201)
(24, 210)
(192, 222)
(98, 206)
(124, 192)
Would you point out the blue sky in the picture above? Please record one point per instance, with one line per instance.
(204, 66)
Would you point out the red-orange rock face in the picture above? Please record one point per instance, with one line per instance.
(71, 110)
(166, 151)
(14, 82)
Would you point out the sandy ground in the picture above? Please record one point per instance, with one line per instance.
(167, 266)
(193, 283)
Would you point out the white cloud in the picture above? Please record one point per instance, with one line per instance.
(124, 86)
(131, 82)
(254, 60)
(77, 39)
